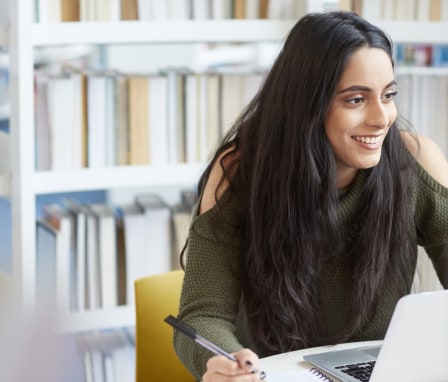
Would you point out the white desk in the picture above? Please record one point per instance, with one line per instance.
(293, 361)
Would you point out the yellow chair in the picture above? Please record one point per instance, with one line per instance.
(156, 297)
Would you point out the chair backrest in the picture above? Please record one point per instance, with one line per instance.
(155, 298)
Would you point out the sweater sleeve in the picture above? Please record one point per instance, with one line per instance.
(211, 289)
(432, 212)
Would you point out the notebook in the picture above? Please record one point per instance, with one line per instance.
(415, 348)
(308, 375)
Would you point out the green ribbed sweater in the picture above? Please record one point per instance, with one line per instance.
(211, 292)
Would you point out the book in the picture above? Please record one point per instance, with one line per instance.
(136, 246)
(239, 9)
(60, 220)
(46, 249)
(251, 84)
(221, 9)
(159, 10)
(111, 116)
(49, 11)
(107, 253)
(192, 104)
(405, 10)
(103, 10)
(178, 9)
(444, 10)
(159, 232)
(371, 10)
(121, 259)
(357, 6)
(138, 93)
(69, 10)
(213, 129)
(182, 214)
(423, 10)
(79, 216)
(264, 9)
(252, 9)
(87, 10)
(145, 10)
(232, 92)
(61, 119)
(345, 5)
(93, 295)
(176, 114)
(201, 9)
(387, 10)
(121, 120)
(129, 10)
(202, 119)
(96, 114)
(42, 123)
(79, 144)
(158, 119)
(435, 10)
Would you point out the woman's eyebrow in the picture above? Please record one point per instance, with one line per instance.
(361, 88)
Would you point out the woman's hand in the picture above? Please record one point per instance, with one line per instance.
(221, 369)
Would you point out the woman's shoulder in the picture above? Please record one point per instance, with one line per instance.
(216, 184)
(429, 155)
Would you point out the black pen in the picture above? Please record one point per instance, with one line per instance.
(190, 332)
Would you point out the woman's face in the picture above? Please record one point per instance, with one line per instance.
(361, 112)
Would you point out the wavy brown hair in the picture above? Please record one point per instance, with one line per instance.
(285, 174)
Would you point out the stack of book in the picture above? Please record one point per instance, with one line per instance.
(88, 255)
(156, 10)
(99, 119)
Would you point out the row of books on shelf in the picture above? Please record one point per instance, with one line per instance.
(100, 119)
(434, 55)
(147, 10)
(399, 10)
(108, 355)
(88, 255)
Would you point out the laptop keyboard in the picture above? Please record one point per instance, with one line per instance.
(360, 371)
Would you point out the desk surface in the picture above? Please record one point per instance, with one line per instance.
(293, 361)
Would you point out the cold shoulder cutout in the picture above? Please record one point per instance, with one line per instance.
(429, 155)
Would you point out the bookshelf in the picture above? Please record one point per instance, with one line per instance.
(23, 183)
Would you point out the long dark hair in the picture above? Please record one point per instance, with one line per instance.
(278, 154)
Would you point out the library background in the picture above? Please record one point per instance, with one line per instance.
(109, 111)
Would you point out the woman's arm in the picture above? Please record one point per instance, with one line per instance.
(211, 291)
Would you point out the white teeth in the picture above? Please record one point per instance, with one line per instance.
(371, 140)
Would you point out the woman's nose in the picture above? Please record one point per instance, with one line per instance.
(379, 115)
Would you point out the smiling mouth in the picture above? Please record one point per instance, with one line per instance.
(368, 140)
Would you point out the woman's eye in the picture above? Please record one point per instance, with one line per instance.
(390, 95)
(356, 100)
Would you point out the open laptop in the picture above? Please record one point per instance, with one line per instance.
(415, 348)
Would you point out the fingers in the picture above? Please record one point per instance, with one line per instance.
(247, 360)
(221, 369)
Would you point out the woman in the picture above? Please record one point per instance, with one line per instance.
(312, 208)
